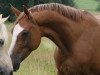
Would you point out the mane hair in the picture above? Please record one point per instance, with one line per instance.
(67, 11)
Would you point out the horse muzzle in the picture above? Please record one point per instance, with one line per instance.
(15, 63)
(16, 66)
(10, 72)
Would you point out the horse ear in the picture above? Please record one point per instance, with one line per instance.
(29, 14)
(0, 16)
(15, 11)
(2, 20)
(26, 11)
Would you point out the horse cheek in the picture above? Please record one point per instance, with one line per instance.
(35, 39)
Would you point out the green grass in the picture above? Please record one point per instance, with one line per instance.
(41, 61)
(89, 5)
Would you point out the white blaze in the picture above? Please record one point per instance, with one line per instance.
(17, 29)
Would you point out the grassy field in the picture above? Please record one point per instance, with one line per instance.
(87, 4)
(41, 61)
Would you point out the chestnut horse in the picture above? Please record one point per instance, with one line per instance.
(75, 32)
(6, 67)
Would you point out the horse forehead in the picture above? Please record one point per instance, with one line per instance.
(17, 29)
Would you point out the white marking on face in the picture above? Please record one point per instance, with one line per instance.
(17, 29)
(3, 36)
(3, 33)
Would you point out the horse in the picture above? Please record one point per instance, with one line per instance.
(6, 67)
(75, 32)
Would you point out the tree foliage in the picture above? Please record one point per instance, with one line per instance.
(67, 2)
(5, 7)
(98, 8)
(6, 11)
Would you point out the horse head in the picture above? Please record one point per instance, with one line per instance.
(5, 61)
(26, 37)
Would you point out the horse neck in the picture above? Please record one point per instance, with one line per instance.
(63, 31)
(60, 30)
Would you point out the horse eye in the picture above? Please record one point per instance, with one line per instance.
(1, 41)
(25, 32)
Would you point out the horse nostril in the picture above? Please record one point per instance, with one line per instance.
(1, 72)
(1, 41)
(11, 73)
(16, 66)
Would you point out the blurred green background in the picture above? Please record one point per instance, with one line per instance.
(90, 5)
(41, 61)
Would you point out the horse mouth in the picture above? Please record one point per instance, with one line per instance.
(16, 66)
(11, 73)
